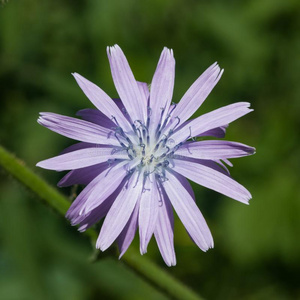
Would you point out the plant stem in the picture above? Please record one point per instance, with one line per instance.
(156, 276)
(159, 278)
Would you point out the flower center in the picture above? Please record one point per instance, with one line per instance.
(149, 150)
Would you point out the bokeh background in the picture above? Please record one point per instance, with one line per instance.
(257, 248)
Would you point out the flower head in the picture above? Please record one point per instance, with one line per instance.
(135, 154)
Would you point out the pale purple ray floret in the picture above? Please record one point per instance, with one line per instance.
(136, 153)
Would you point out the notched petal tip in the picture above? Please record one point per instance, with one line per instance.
(114, 48)
(143, 251)
(219, 75)
(170, 263)
(251, 150)
(102, 245)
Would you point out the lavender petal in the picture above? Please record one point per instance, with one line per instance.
(212, 179)
(97, 190)
(102, 101)
(119, 213)
(96, 116)
(164, 231)
(162, 85)
(76, 129)
(126, 84)
(143, 86)
(218, 132)
(215, 149)
(213, 119)
(148, 212)
(127, 235)
(83, 175)
(197, 93)
(82, 158)
(188, 212)
(97, 213)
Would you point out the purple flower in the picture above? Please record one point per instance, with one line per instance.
(135, 154)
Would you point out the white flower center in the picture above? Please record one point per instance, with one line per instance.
(149, 152)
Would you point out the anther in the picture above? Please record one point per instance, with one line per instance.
(178, 146)
(143, 147)
(142, 161)
(140, 136)
(130, 171)
(178, 122)
(129, 141)
(121, 143)
(169, 116)
(115, 120)
(109, 161)
(174, 106)
(165, 153)
(133, 127)
(129, 155)
(149, 115)
(166, 163)
(115, 150)
(146, 174)
(157, 131)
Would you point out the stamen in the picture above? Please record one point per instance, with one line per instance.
(129, 155)
(146, 174)
(137, 180)
(166, 163)
(178, 122)
(162, 141)
(145, 129)
(169, 115)
(143, 151)
(130, 171)
(129, 141)
(165, 153)
(142, 161)
(116, 150)
(190, 135)
(115, 120)
(174, 106)
(175, 149)
(158, 131)
(133, 127)
(121, 143)
(160, 201)
(149, 115)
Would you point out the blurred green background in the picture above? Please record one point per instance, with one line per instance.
(257, 248)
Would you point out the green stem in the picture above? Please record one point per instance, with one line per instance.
(159, 278)
(156, 276)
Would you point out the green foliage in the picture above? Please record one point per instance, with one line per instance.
(257, 252)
